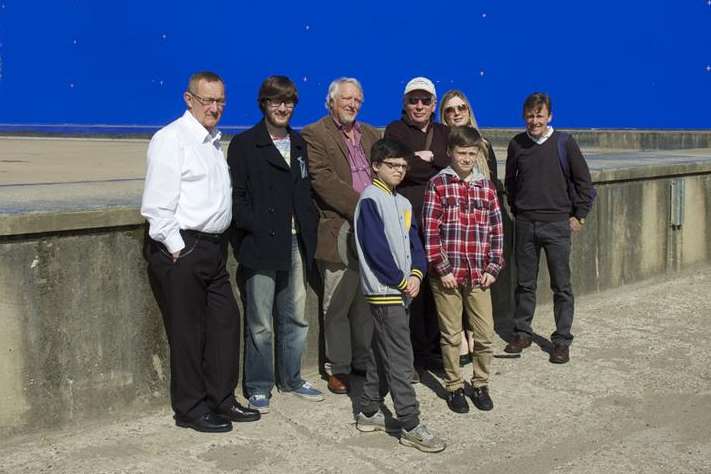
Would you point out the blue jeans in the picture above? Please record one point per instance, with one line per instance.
(275, 296)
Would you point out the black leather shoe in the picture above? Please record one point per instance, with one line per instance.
(481, 398)
(560, 354)
(239, 413)
(457, 402)
(207, 423)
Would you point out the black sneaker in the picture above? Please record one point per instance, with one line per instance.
(457, 402)
(481, 398)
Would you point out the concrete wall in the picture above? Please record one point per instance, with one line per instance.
(82, 337)
(619, 139)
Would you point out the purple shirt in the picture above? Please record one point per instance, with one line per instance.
(360, 166)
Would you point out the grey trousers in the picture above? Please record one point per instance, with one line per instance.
(347, 324)
(554, 238)
(390, 365)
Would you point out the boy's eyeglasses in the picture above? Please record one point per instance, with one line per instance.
(459, 108)
(396, 166)
(415, 100)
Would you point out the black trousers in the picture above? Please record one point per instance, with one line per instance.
(554, 238)
(424, 327)
(201, 320)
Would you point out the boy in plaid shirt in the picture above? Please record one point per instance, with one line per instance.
(464, 248)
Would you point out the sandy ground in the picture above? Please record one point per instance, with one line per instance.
(636, 397)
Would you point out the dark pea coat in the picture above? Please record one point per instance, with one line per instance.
(266, 193)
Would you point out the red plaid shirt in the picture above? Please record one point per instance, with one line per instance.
(462, 226)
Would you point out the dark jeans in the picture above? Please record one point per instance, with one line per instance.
(390, 365)
(201, 320)
(554, 238)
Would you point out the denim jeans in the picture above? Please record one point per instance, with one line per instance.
(280, 297)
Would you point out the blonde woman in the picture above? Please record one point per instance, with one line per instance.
(456, 111)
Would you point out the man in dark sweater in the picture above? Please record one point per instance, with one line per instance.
(550, 194)
(427, 139)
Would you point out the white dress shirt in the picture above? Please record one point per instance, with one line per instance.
(187, 183)
(543, 138)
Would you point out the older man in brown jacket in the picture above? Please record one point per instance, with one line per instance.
(339, 164)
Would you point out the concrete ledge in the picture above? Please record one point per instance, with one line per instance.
(634, 171)
(50, 222)
(619, 139)
(631, 139)
(44, 208)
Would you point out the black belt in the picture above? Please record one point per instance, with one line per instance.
(203, 235)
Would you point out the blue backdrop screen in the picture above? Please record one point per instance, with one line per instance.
(606, 64)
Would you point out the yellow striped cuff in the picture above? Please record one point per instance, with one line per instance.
(384, 299)
(417, 273)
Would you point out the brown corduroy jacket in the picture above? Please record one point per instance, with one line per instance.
(331, 180)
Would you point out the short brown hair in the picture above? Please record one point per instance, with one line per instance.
(466, 137)
(536, 101)
(277, 88)
(195, 78)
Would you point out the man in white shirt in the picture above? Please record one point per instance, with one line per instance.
(187, 202)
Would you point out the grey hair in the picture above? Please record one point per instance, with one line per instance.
(336, 83)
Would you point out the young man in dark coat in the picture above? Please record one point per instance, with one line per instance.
(274, 242)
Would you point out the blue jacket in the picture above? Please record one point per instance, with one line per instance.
(389, 248)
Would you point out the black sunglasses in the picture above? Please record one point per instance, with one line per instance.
(414, 100)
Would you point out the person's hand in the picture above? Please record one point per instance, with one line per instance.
(486, 280)
(413, 286)
(575, 224)
(448, 281)
(175, 256)
(425, 155)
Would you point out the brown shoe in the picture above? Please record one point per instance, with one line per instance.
(518, 343)
(338, 384)
(560, 354)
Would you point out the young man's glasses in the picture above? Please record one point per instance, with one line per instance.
(276, 103)
(461, 108)
(208, 101)
(396, 166)
(414, 100)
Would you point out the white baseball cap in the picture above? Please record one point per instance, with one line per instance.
(420, 84)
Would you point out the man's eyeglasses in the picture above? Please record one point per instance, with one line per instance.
(276, 103)
(459, 108)
(208, 101)
(396, 166)
(414, 100)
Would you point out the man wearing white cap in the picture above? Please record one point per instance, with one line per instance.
(417, 130)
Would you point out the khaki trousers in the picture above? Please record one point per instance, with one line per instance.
(347, 323)
(476, 304)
